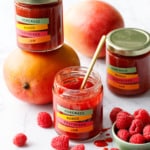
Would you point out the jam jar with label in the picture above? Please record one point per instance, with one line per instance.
(39, 24)
(128, 61)
(78, 113)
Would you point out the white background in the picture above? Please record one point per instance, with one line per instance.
(17, 116)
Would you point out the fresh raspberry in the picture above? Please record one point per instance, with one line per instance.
(20, 139)
(114, 113)
(123, 134)
(136, 127)
(44, 120)
(123, 120)
(146, 132)
(143, 115)
(137, 139)
(60, 142)
(114, 149)
(78, 147)
(105, 148)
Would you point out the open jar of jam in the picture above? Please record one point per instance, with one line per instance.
(39, 24)
(128, 61)
(78, 113)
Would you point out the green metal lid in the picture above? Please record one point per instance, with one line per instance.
(128, 42)
(36, 2)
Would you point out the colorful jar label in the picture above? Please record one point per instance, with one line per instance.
(123, 78)
(32, 20)
(32, 30)
(74, 121)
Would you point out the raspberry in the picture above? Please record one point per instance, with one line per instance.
(114, 113)
(137, 139)
(146, 132)
(78, 147)
(123, 134)
(105, 148)
(136, 127)
(44, 120)
(123, 120)
(20, 139)
(143, 115)
(60, 142)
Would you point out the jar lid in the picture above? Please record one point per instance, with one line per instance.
(128, 42)
(37, 2)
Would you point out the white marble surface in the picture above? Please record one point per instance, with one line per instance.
(17, 116)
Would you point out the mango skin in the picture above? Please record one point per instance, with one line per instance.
(29, 76)
(86, 22)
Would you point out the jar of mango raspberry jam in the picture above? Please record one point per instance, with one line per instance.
(128, 61)
(39, 24)
(78, 113)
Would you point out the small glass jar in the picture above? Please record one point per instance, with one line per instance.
(78, 113)
(39, 24)
(128, 61)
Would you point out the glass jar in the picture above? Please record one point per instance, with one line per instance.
(78, 113)
(39, 24)
(128, 61)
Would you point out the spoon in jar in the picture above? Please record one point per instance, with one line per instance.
(98, 49)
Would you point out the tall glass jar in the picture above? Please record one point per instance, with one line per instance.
(78, 113)
(128, 61)
(39, 24)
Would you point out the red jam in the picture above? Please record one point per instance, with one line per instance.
(39, 25)
(128, 61)
(78, 113)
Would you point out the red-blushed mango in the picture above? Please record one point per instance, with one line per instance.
(86, 22)
(29, 76)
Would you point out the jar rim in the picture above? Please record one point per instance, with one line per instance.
(128, 41)
(73, 92)
(37, 2)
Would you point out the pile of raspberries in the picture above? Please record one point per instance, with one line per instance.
(60, 142)
(132, 128)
